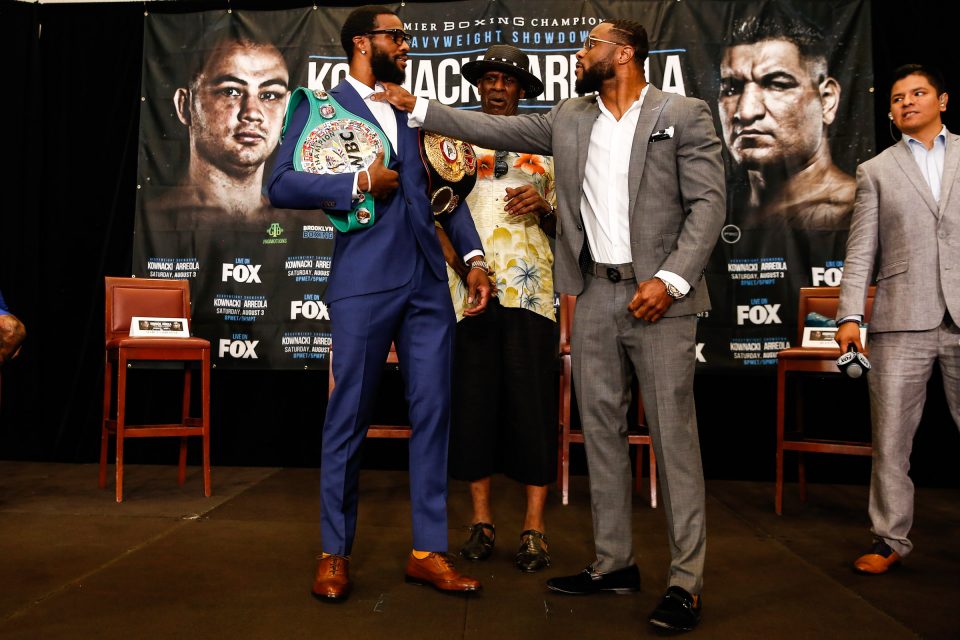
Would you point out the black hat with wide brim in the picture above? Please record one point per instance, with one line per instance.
(508, 59)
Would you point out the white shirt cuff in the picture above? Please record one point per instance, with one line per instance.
(682, 285)
(473, 254)
(416, 117)
(851, 318)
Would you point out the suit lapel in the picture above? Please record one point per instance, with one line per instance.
(649, 114)
(584, 127)
(350, 100)
(908, 165)
(951, 160)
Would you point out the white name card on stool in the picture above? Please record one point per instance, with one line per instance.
(824, 337)
(142, 327)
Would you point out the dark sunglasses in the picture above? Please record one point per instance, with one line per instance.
(499, 164)
(592, 41)
(399, 35)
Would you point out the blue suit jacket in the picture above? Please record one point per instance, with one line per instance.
(382, 257)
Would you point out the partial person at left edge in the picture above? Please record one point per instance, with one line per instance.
(12, 333)
(388, 283)
(232, 103)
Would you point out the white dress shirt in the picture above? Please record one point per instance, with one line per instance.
(382, 111)
(930, 161)
(605, 203)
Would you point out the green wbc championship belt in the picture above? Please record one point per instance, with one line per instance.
(335, 141)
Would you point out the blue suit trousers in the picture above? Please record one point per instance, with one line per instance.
(418, 317)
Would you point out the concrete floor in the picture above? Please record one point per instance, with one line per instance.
(169, 563)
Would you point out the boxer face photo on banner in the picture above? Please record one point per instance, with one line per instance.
(234, 109)
(776, 103)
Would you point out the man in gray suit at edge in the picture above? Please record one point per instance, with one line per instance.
(641, 196)
(906, 221)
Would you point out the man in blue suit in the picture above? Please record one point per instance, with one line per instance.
(388, 283)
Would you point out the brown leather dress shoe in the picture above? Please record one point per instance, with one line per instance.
(878, 559)
(438, 571)
(333, 579)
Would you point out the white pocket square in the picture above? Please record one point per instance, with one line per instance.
(663, 134)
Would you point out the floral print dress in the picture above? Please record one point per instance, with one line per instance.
(517, 249)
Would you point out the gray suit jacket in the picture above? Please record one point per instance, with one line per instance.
(676, 186)
(914, 240)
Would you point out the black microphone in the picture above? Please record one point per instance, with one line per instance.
(853, 363)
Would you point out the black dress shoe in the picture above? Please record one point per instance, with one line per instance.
(587, 581)
(479, 545)
(532, 555)
(678, 611)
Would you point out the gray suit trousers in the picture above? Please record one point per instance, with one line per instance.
(606, 340)
(902, 363)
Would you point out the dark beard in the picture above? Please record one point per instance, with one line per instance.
(592, 78)
(385, 69)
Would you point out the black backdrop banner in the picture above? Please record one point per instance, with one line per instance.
(215, 83)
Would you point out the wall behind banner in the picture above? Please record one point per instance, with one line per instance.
(68, 219)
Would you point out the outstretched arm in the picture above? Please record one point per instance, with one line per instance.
(530, 133)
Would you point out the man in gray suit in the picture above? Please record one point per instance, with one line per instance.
(906, 222)
(641, 195)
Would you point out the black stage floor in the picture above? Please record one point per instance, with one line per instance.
(170, 563)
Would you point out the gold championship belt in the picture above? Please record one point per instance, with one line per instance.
(335, 141)
(451, 170)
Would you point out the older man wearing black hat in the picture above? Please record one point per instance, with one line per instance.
(507, 424)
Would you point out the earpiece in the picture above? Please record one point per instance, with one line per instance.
(890, 115)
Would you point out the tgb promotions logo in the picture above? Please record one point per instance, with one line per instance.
(829, 274)
(238, 345)
(311, 308)
(759, 311)
(275, 233)
(241, 271)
